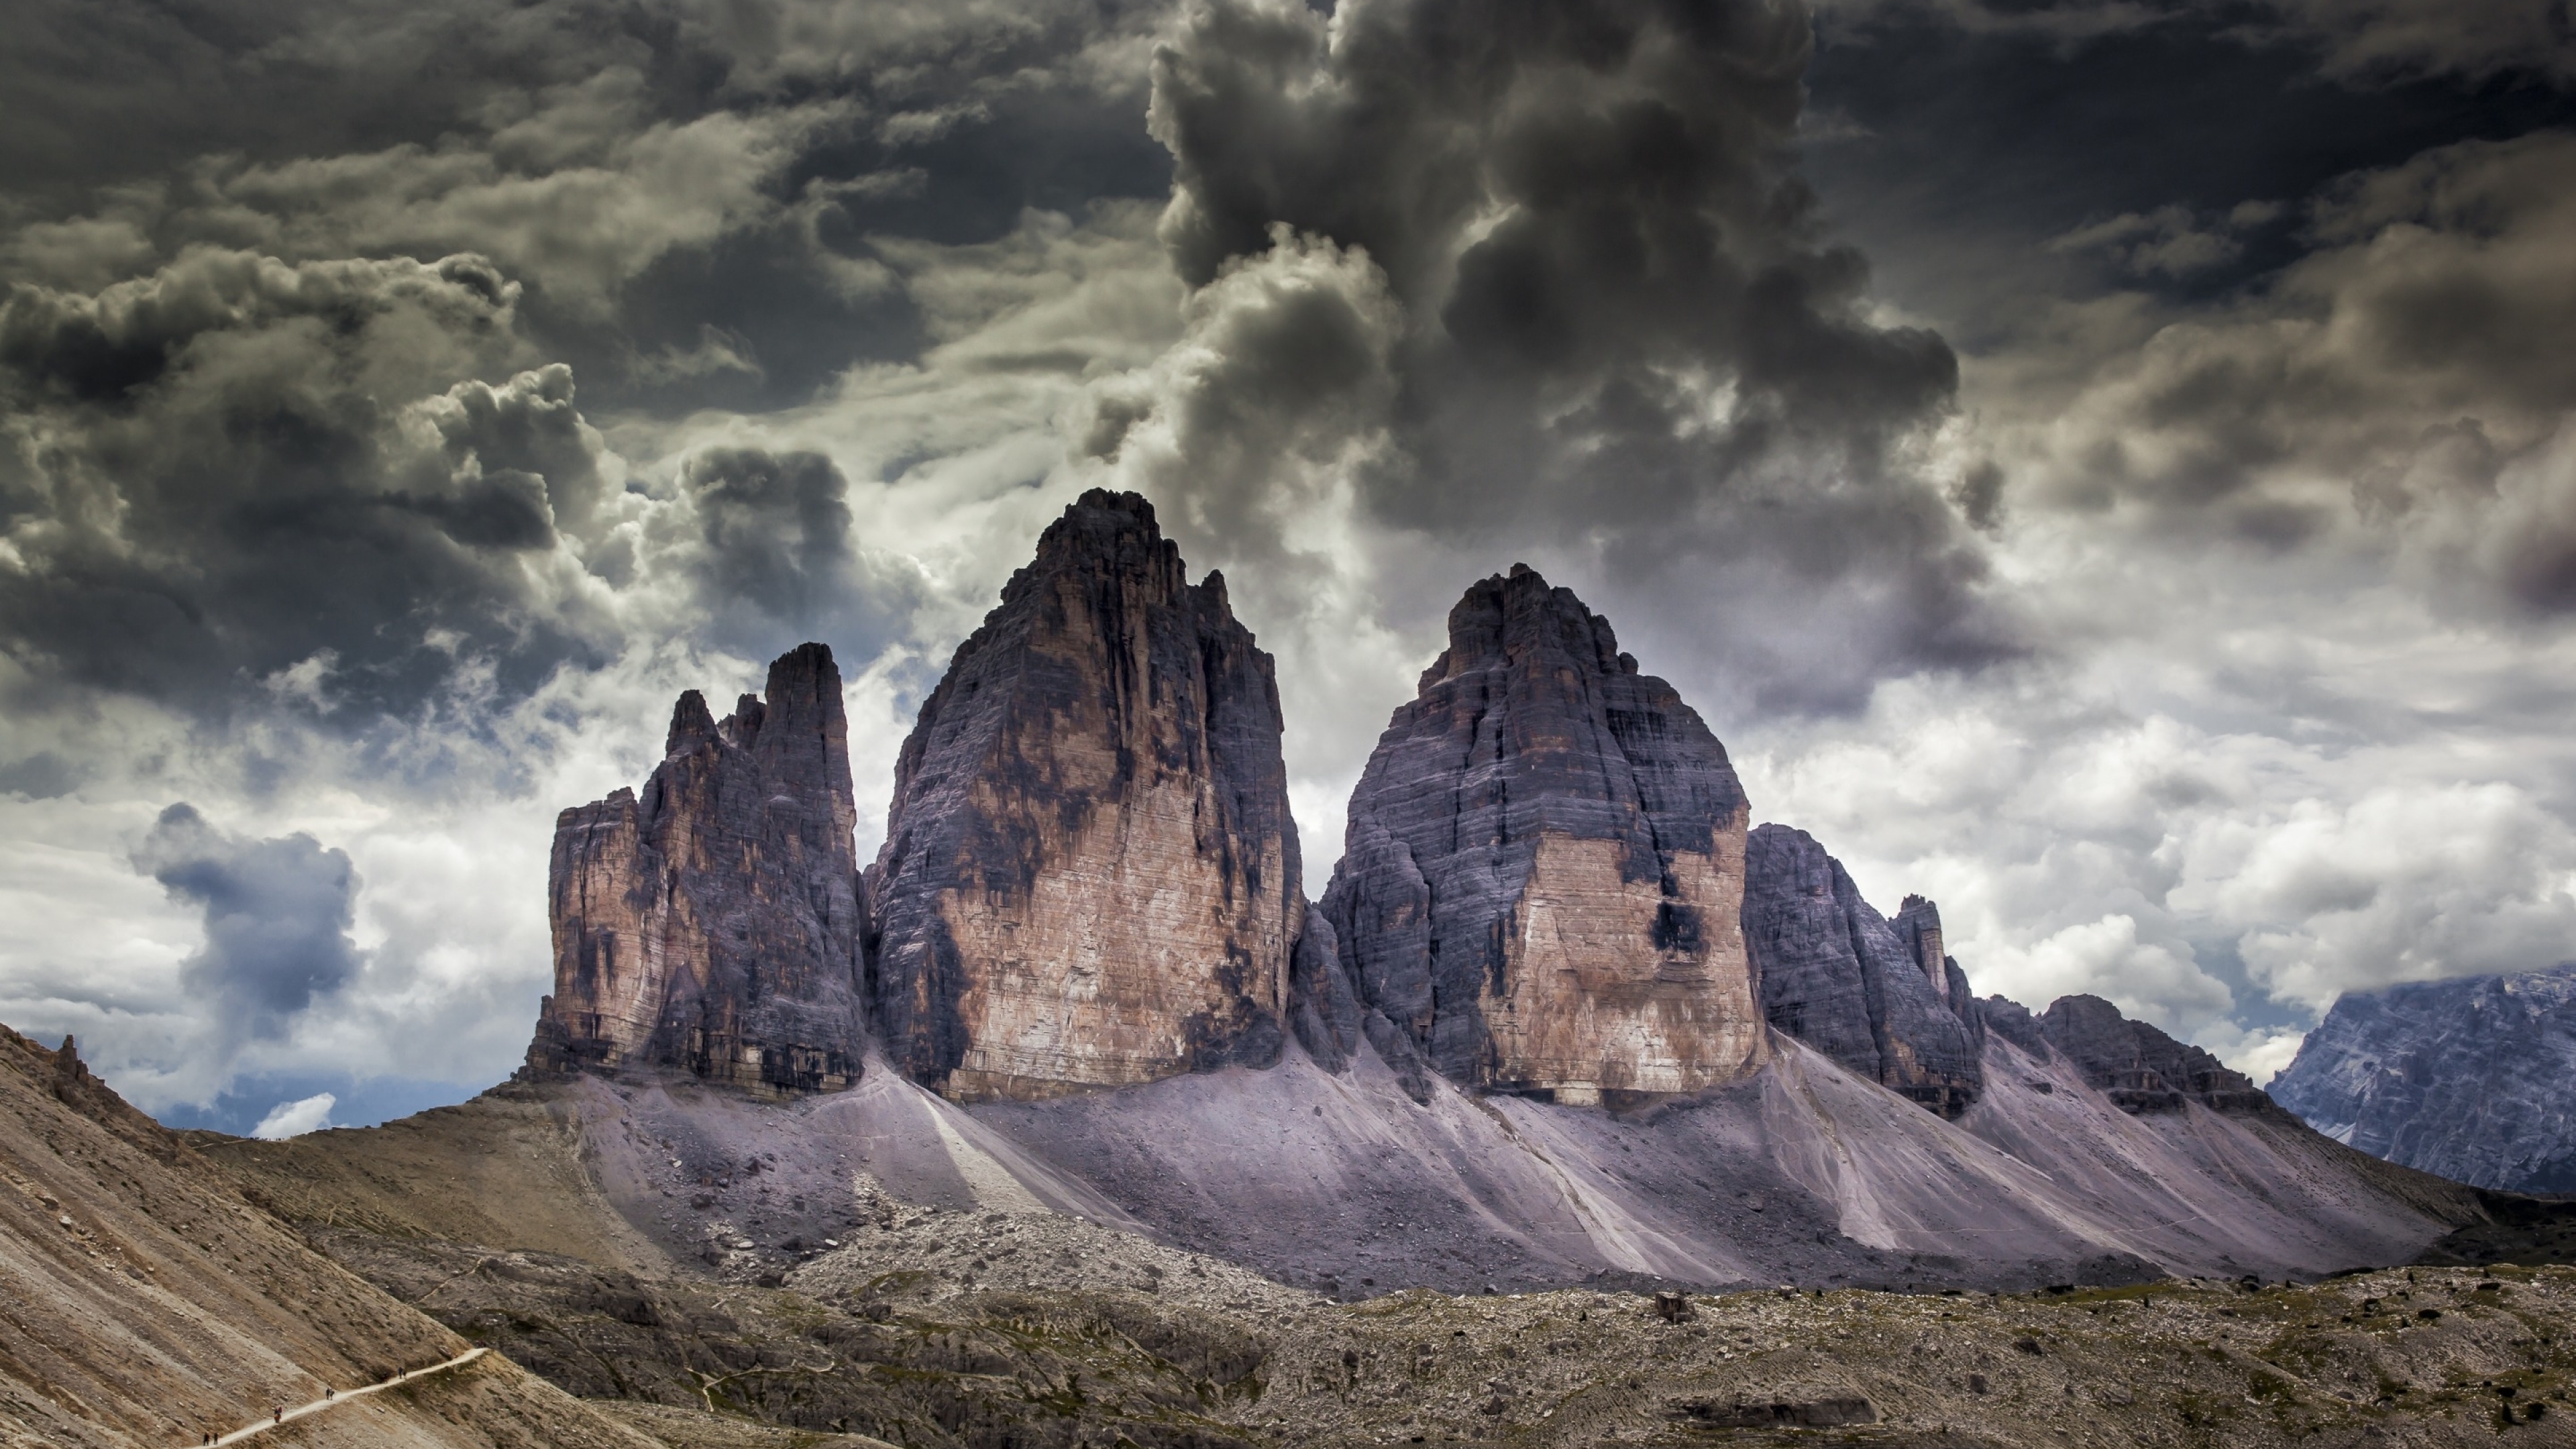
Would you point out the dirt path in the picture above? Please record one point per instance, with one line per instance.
(318, 1405)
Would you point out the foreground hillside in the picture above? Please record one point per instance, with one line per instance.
(144, 1302)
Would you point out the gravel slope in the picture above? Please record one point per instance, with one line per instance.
(144, 1302)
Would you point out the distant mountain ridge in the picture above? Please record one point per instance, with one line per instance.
(2474, 1079)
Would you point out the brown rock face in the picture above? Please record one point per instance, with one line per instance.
(1090, 876)
(1544, 869)
(714, 923)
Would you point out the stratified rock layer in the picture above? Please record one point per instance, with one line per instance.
(1544, 865)
(1090, 876)
(2469, 1078)
(1881, 998)
(714, 923)
(2139, 1067)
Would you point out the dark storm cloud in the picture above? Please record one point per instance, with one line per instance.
(776, 528)
(219, 479)
(43, 775)
(2355, 42)
(259, 442)
(277, 917)
(1965, 149)
(2243, 285)
(526, 430)
(638, 169)
(1624, 325)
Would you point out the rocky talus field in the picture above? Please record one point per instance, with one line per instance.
(1017, 1325)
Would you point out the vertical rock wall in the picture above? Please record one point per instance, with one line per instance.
(1879, 997)
(1542, 878)
(1090, 876)
(714, 922)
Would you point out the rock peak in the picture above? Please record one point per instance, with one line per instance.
(1543, 871)
(713, 923)
(692, 723)
(2137, 1065)
(1090, 876)
(1507, 616)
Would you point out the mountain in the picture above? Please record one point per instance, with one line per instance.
(1559, 1014)
(145, 1302)
(1542, 879)
(2467, 1078)
(713, 924)
(1559, 1017)
(1090, 875)
(2133, 1063)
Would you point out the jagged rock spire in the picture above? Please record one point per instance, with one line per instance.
(714, 923)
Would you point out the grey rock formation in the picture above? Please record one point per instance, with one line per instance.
(2474, 1079)
(1543, 871)
(1323, 1008)
(1879, 997)
(2004, 1017)
(2139, 1067)
(1918, 927)
(1090, 876)
(714, 922)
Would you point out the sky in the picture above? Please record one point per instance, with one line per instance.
(2108, 466)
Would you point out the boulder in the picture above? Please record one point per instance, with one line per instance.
(1544, 865)
(714, 922)
(1090, 875)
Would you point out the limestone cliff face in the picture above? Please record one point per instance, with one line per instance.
(714, 922)
(1090, 876)
(2467, 1078)
(1879, 997)
(1544, 867)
